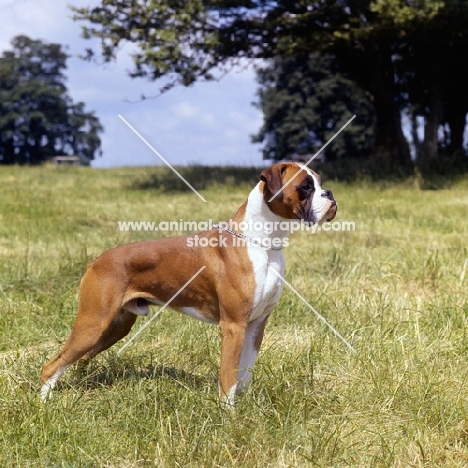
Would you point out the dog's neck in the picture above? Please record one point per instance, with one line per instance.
(255, 210)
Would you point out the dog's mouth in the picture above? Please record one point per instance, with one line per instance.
(320, 216)
(331, 213)
(331, 218)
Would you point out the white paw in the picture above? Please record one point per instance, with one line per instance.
(46, 389)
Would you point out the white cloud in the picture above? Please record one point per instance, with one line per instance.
(184, 109)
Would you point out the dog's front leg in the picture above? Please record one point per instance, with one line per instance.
(252, 343)
(232, 342)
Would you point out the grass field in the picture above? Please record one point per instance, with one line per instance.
(396, 288)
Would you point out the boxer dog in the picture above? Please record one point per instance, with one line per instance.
(236, 289)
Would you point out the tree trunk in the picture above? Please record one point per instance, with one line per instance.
(371, 67)
(436, 79)
(390, 141)
(455, 114)
(457, 123)
(430, 151)
(8, 152)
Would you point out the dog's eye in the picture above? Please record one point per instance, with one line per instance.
(307, 184)
(305, 190)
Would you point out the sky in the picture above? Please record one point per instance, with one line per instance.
(207, 123)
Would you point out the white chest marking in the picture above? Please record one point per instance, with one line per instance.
(268, 285)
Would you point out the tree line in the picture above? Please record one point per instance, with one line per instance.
(384, 60)
(405, 57)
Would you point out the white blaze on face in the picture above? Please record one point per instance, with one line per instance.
(319, 204)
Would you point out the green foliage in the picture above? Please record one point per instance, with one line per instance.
(172, 37)
(37, 116)
(304, 102)
(405, 54)
(402, 12)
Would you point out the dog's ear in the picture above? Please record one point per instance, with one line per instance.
(273, 177)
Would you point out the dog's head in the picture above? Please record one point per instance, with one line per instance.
(294, 191)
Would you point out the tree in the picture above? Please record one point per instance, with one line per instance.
(433, 80)
(304, 101)
(37, 116)
(372, 40)
(456, 105)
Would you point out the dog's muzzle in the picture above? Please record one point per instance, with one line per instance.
(331, 213)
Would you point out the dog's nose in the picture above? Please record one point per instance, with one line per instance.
(327, 194)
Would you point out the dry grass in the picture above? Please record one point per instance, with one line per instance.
(396, 288)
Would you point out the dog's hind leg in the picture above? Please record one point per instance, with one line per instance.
(99, 324)
(118, 329)
(83, 339)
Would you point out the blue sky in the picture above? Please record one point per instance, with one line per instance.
(208, 123)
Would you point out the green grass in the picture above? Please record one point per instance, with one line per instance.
(396, 288)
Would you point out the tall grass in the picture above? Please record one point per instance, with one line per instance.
(396, 288)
